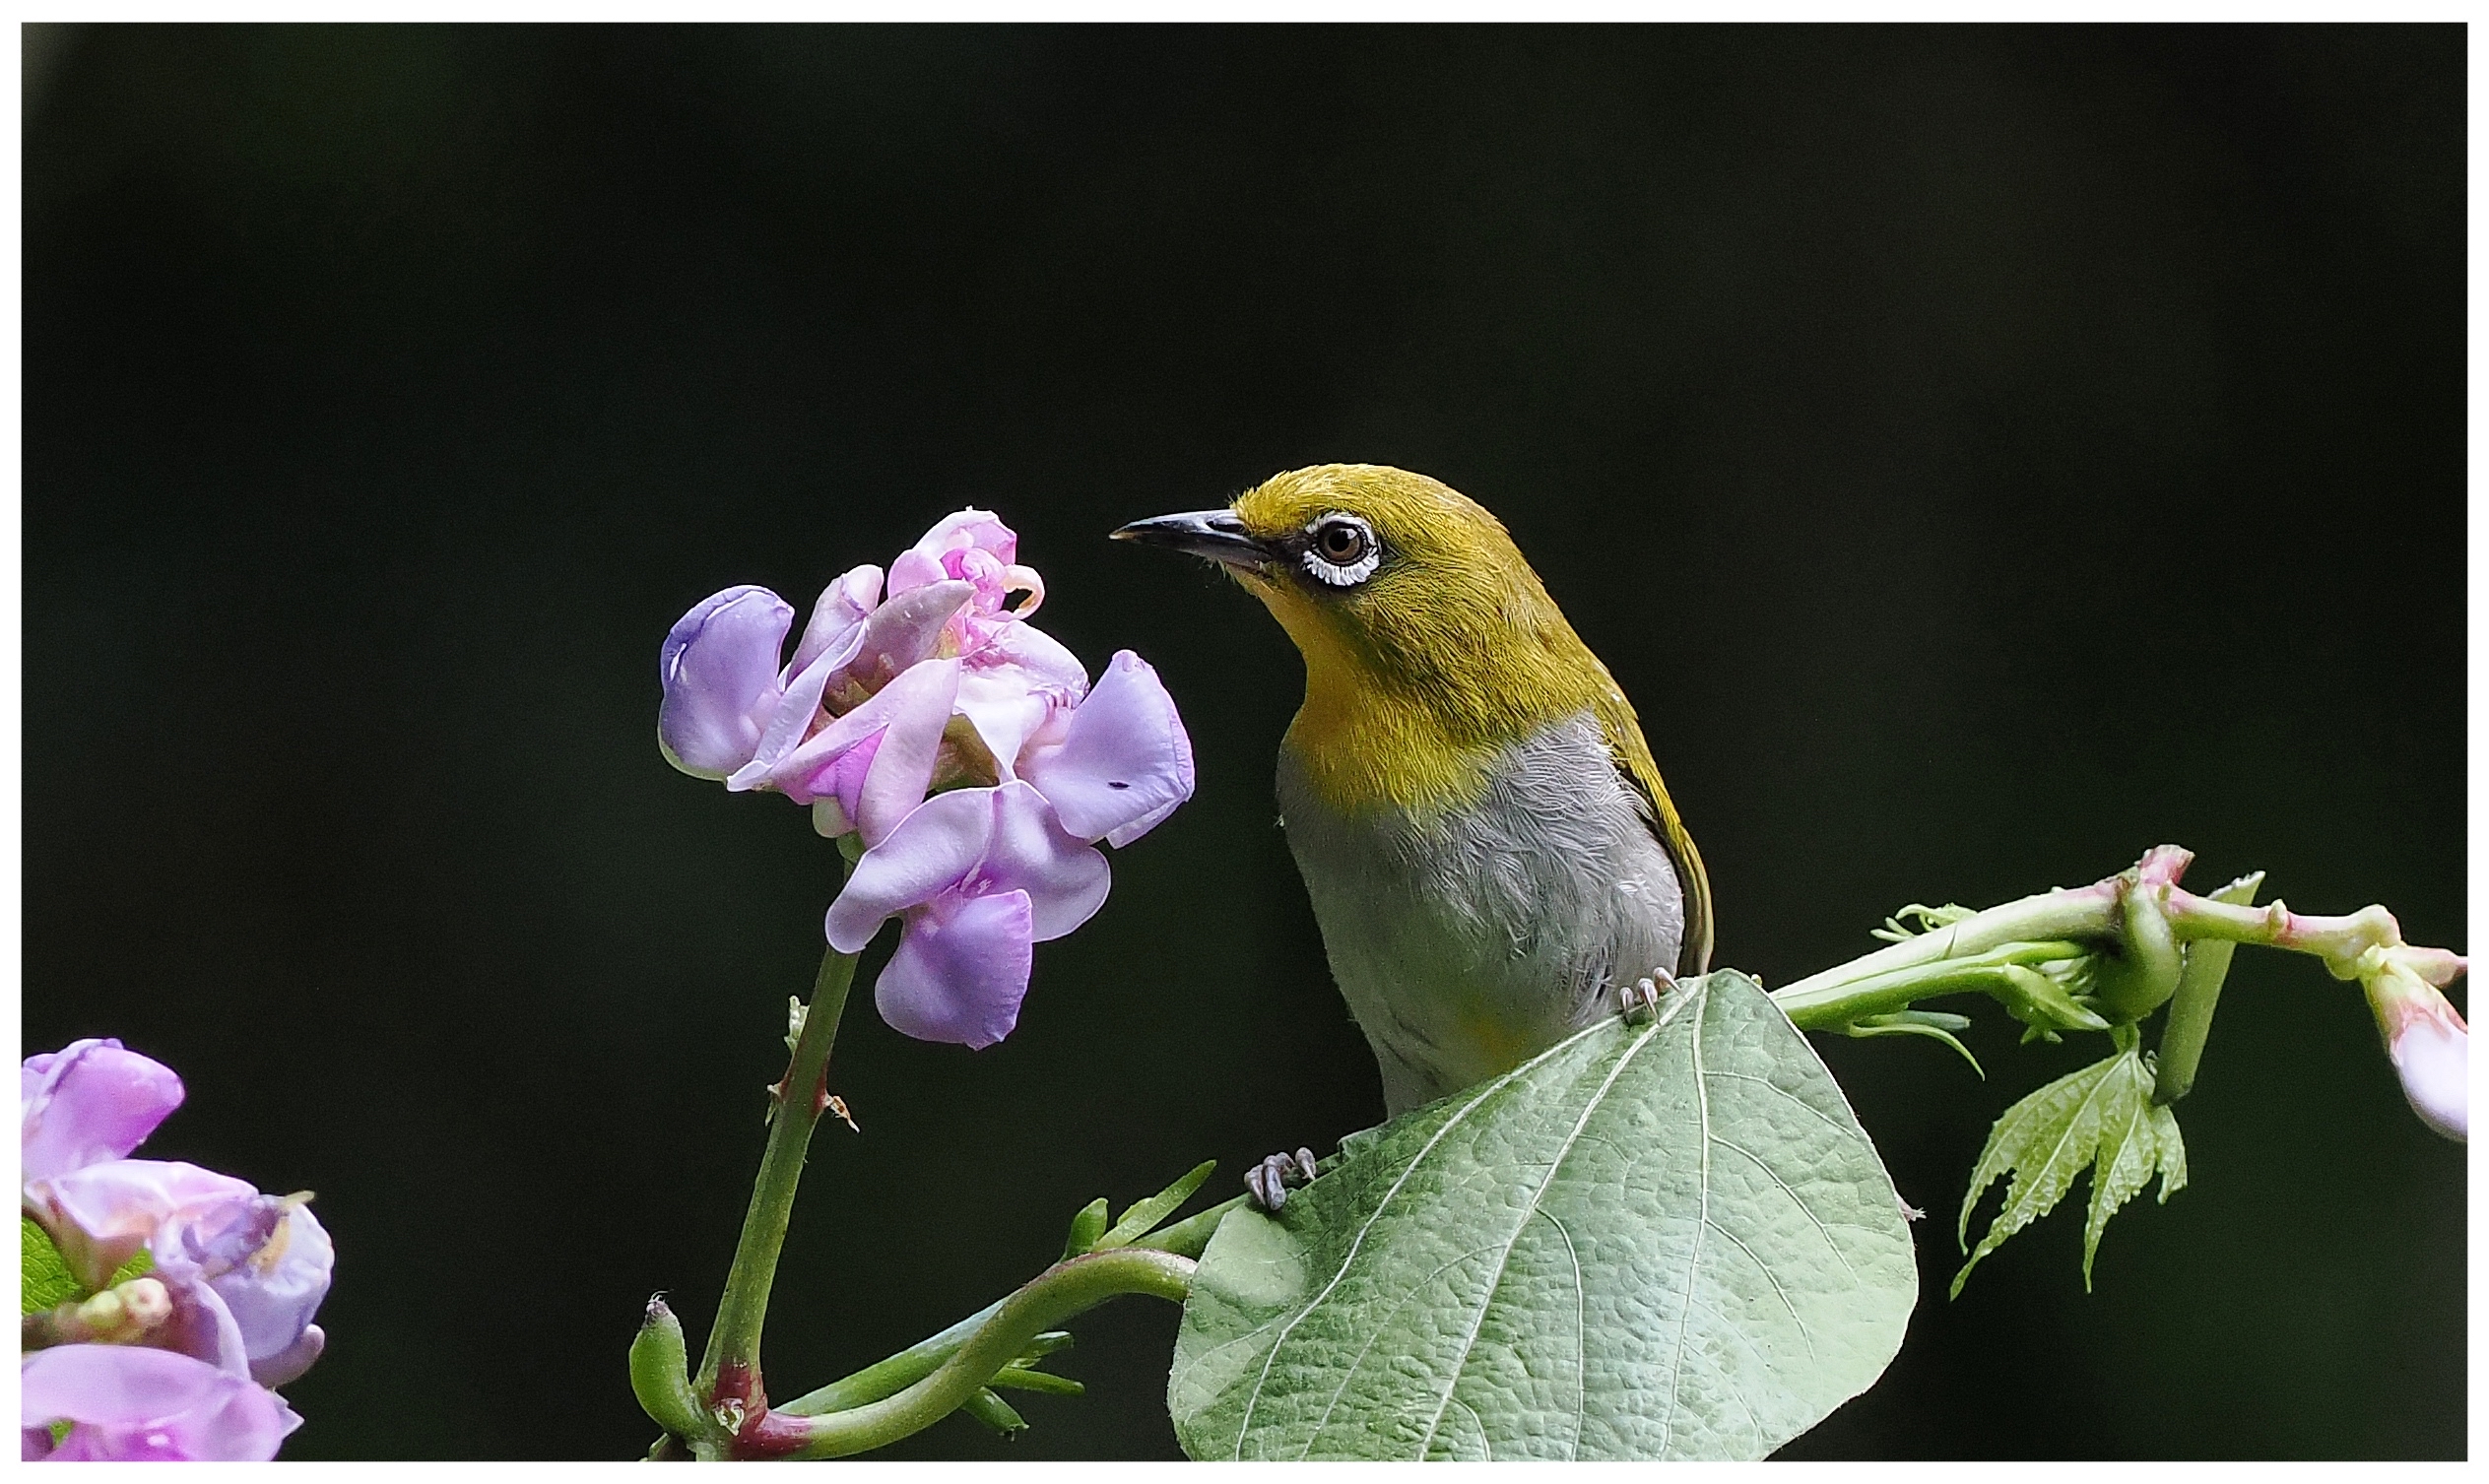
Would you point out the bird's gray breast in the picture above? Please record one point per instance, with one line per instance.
(1468, 940)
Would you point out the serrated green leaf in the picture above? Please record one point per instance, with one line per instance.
(1147, 1214)
(44, 1281)
(2101, 1116)
(1660, 1241)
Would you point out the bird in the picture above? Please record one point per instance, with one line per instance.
(1492, 856)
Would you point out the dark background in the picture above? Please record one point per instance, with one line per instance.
(1980, 453)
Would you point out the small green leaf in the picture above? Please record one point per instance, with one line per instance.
(1087, 1228)
(1019, 1377)
(1044, 1345)
(2037, 1000)
(996, 1413)
(1145, 1215)
(2101, 1116)
(1666, 1240)
(1935, 1025)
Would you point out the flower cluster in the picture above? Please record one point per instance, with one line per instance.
(931, 682)
(193, 1293)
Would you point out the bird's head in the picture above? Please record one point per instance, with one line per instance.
(1410, 604)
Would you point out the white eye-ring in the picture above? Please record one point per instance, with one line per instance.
(1340, 550)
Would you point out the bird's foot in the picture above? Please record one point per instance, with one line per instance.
(1640, 1001)
(1271, 1180)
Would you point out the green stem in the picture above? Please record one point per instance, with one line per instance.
(1060, 1292)
(887, 1378)
(1838, 997)
(2050, 919)
(884, 1378)
(730, 1371)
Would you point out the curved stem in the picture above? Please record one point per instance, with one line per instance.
(884, 1377)
(2090, 912)
(1066, 1289)
(730, 1371)
(1837, 996)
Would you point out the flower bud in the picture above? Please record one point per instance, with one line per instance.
(2429, 1043)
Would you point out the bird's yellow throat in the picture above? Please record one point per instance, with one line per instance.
(1418, 680)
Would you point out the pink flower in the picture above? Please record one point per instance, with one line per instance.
(934, 683)
(236, 1275)
(133, 1403)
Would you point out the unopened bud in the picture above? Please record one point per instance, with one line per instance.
(145, 1303)
(2430, 1045)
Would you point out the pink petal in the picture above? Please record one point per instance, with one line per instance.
(719, 668)
(904, 631)
(930, 852)
(902, 724)
(1065, 881)
(1125, 761)
(838, 614)
(971, 529)
(959, 979)
(131, 1403)
(90, 1102)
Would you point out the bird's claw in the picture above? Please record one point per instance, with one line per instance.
(1640, 1001)
(1271, 1180)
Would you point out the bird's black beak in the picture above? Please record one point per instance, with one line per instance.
(1217, 535)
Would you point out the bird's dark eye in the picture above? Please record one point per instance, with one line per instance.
(1339, 543)
(1341, 551)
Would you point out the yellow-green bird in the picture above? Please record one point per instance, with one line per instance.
(1490, 853)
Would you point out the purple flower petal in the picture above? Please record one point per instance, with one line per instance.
(837, 615)
(1048, 665)
(290, 1363)
(720, 670)
(90, 1102)
(1125, 761)
(930, 852)
(959, 977)
(266, 1257)
(101, 1215)
(131, 1403)
(1124, 834)
(791, 721)
(1065, 879)
(201, 1325)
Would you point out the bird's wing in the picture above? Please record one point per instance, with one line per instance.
(1633, 759)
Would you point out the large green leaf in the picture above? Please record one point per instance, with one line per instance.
(1660, 1241)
